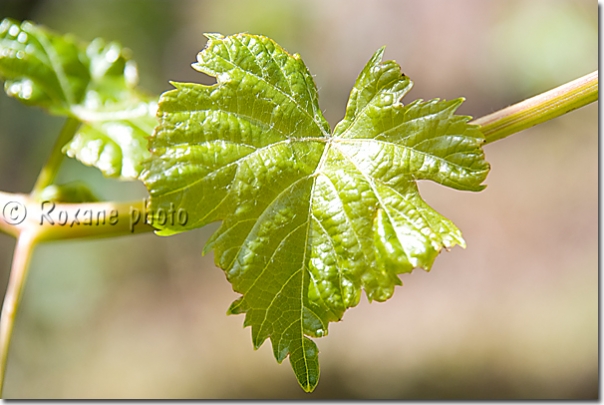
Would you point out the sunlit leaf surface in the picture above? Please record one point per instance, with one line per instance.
(94, 83)
(310, 218)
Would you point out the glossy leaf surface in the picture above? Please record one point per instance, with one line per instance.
(95, 83)
(310, 218)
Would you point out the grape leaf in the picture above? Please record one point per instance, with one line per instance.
(309, 217)
(95, 83)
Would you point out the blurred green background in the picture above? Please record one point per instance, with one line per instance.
(515, 315)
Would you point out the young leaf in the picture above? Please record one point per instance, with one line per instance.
(309, 217)
(95, 84)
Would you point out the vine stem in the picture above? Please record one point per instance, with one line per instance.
(538, 109)
(14, 291)
(51, 168)
(60, 221)
(32, 221)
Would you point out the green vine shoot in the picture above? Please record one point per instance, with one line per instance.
(310, 218)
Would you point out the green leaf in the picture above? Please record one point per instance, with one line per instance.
(309, 217)
(94, 83)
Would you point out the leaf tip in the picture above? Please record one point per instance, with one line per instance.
(213, 36)
(167, 94)
(235, 308)
(309, 387)
(197, 65)
(305, 364)
(378, 56)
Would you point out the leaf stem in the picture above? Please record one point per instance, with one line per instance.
(538, 109)
(51, 168)
(16, 283)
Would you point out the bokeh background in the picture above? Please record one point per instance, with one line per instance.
(515, 315)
